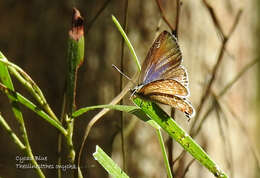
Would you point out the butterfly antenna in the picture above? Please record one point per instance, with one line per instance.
(122, 73)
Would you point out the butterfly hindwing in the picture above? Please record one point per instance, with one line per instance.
(167, 86)
(175, 102)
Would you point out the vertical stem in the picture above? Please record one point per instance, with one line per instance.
(75, 58)
(121, 84)
(257, 43)
(167, 165)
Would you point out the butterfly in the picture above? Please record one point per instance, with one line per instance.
(163, 79)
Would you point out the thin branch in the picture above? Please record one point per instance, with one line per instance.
(90, 24)
(188, 167)
(121, 84)
(214, 19)
(226, 141)
(178, 10)
(222, 93)
(163, 16)
(215, 70)
(101, 114)
(250, 142)
(11, 133)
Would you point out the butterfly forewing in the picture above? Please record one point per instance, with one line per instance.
(163, 79)
(166, 86)
(164, 53)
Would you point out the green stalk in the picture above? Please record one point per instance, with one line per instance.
(160, 138)
(30, 85)
(165, 157)
(74, 60)
(21, 99)
(6, 79)
(13, 136)
(131, 48)
(176, 132)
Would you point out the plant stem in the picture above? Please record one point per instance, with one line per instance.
(30, 85)
(6, 79)
(75, 58)
(166, 161)
(13, 136)
(131, 48)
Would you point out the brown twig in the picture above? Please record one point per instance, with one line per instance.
(178, 12)
(188, 167)
(250, 142)
(163, 16)
(216, 67)
(214, 19)
(90, 24)
(226, 141)
(225, 89)
(170, 154)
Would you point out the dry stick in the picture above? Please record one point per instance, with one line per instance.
(187, 168)
(206, 94)
(216, 67)
(90, 24)
(228, 86)
(163, 15)
(121, 84)
(250, 145)
(218, 27)
(102, 113)
(227, 145)
(178, 12)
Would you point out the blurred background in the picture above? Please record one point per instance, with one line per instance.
(33, 34)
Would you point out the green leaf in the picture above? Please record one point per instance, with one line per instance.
(110, 166)
(15, 96)
(129, 109)
(7, 81)
(154, 112)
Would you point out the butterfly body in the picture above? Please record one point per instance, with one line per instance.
(163, 79)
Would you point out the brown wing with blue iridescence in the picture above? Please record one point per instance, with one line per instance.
(163, 57)
(163, 79)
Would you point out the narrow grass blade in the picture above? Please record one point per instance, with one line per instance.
(129, 109)
(21, 99)
(29, 84)
(6, 80)
(176, 132)
(131, 48)
(11, 133)
(110, 166)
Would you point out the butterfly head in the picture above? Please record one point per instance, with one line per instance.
(135, 90)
